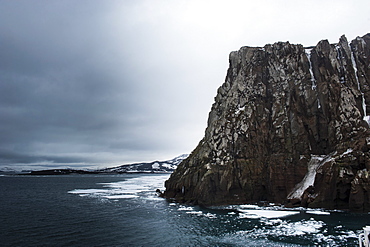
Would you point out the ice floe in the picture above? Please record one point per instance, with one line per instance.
(317, 212)
(285, 228)
(182, 208)
(127, 189)
(269, 214)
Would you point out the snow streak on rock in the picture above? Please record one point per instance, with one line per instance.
(308, 54)
(309, 179)
(358, 83)
(313, 80)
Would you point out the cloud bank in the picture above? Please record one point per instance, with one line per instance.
(102, 83)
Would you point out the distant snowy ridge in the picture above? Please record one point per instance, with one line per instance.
(7, 170)
(150, 167)
(167, 166)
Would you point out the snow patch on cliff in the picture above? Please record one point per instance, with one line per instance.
(240, 109)
(315, 162)
(313, 81)
(155, 166)
(354, 64)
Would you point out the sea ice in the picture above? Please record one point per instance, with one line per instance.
(87, 191)
(186, 208)
(317, 212)
(249, 206)
(269, 214)
(284, 228)
(194, 212)
(127, 189)
(120, 196)
(209, 215)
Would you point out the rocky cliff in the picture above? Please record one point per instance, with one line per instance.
(289, 125)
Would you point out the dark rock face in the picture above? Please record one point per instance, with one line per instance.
(287, 126)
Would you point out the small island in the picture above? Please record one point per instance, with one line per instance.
(290, 125)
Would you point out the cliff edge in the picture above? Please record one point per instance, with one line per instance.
(289, 125)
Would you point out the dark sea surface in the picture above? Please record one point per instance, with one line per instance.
(124, 210)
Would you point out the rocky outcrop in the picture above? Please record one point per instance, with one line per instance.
(287, 126)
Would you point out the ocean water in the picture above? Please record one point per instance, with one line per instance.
(123, 210)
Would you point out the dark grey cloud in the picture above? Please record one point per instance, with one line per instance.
(11, 157)
(99, 83)
(58, 95)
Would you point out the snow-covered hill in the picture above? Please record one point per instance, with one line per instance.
(7, 170)
(155, 166)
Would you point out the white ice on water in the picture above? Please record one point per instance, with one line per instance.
(268, 214)
(317, 212)
(183, 208)
(191, 210)
(273, 218)
(285, 228)
(130, 188)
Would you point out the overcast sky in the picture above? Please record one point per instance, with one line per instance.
(103, 83)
